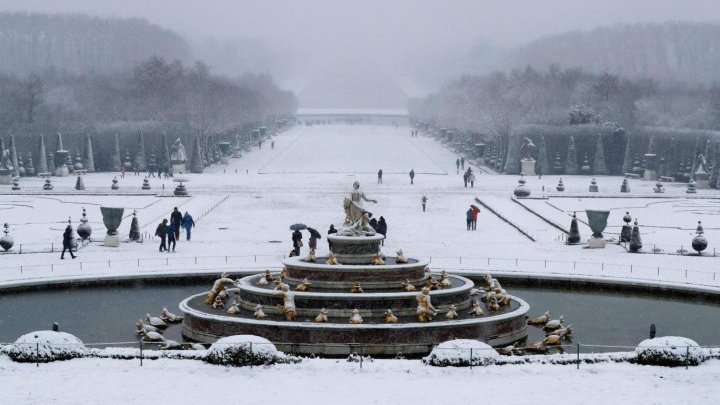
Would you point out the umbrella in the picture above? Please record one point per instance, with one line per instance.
(474, 207)
(297, 227)
(314, 232)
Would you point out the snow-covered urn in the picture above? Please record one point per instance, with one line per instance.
(45, 346)
(670, 351)
(462, 353)
(243, 350)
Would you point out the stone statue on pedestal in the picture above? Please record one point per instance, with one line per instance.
(356, 216)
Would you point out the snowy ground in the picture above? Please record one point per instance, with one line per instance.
(243, 211)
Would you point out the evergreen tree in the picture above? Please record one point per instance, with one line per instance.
(14, 157)
(542, 156)
(164, 163)
(600, 168)
(89, 161)
(196, 162)
(626, 231)
(512, 161)
(134, 228)
(115, 162)
(574, 235)
(716, 167)
(571, 165)
(635, 240)
(651, 146)
(42, 157)
(627, 162)
(696, 152)
(140, 159)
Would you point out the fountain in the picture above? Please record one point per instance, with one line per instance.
(112, 217)
(312, 307)
(597, 221)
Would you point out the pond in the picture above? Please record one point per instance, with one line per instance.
(108, 313)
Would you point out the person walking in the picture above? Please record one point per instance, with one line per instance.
(471, 178)
(465, 178)
(312, 242)
(374, 224)
(380, 176)
(423, 200)
(175, 220)
(412, 176)
(331, 231)
(468, 218)
(188, 223)
(297, 242)
(457, 165)
(67, 242)
(462, 162)
(475, 212)
(272, 145)
(172, 231)
(161, 231)
(382, 229)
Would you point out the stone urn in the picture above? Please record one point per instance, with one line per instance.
(112, 217)
(84, 230)
(180, 190)
(597, 220)
(6, 241)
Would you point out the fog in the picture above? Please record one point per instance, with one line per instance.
(369, 53)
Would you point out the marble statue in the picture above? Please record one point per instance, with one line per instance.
(527, 149)
(310, 258)
(357, 218)
(177, 152)
(303, 286)
(322, 316)
(356, 288)
(390, 317)
(425, 310)
(378, 260)
(476, 310)
(407, 286)
(169, 317)
(218, 303)
(259, 313)
(356, 318)
(218, 286)
(289, 310)
(331, 260)
(400, 257)
(445, 280)
(234, 308)
(451, 313)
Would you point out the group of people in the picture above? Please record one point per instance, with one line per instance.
(471, 217)
(169, 232)
(469, 177)
(460, 163)
(411, 174)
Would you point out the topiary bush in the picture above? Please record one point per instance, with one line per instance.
(462, 353)
(670, 351)
(244, 350)
(46, 346)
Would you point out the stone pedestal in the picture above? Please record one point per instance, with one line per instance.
(112, 240)
(178, 168)
(650, 167)
(596, 243)
(528, 167)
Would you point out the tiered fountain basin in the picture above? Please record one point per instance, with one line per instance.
(303, 336)
(342, 276)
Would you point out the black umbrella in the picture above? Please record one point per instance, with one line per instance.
(297, 227)
(314, 232)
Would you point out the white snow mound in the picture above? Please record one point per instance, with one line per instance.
(243, 350)
(45, 346)
(670, 351)
(462, 353)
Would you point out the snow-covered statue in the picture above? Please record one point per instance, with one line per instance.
(527, 149)
(425, 310)
(357, 218)
(6, 161)
(288, 308)
(218, 287)
(177, 152)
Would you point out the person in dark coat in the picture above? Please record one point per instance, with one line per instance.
(374, 224)
(297, 241)
(412, 176)
(331, 231)
(380, 176)
(188, 223)
(67, 242)
(171, 232)
(469, 218)
(462, 163)
(475, 212)
(382, 229)
(176, 219)
(161, 232)
(457, 164)
(465, 179)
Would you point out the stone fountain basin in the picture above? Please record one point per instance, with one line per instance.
(298, 269)
(496, 329)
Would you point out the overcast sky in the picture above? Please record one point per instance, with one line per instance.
(319, 37)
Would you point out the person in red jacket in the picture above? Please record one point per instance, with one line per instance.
(475, 212)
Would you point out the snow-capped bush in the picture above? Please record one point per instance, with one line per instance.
(46, 346)
(243, 350)
(669, 351)
(462, 353)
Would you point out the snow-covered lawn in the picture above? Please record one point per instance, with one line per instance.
(245, 208)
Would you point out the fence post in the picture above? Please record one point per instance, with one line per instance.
(52, 267)
(37, 354)
(52, 247)
(138, 262)
(21, 272)
(141, 353)
(685, 273)
(546, 263)
(578, 356)
(21, 250)
(471, 357)
(687, 356)
(516, 262)
(225, 259)
(195, 259)
(573, 265)
(460, 260)
(80, 265)
(251, 354)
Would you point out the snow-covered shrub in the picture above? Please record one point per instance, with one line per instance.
(355, 358)
(462, 353)
(46, 346)
(669, 351)
(243, 350)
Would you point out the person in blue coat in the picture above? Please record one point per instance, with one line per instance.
(188, 223)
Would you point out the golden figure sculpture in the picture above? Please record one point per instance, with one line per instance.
(425, 310)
